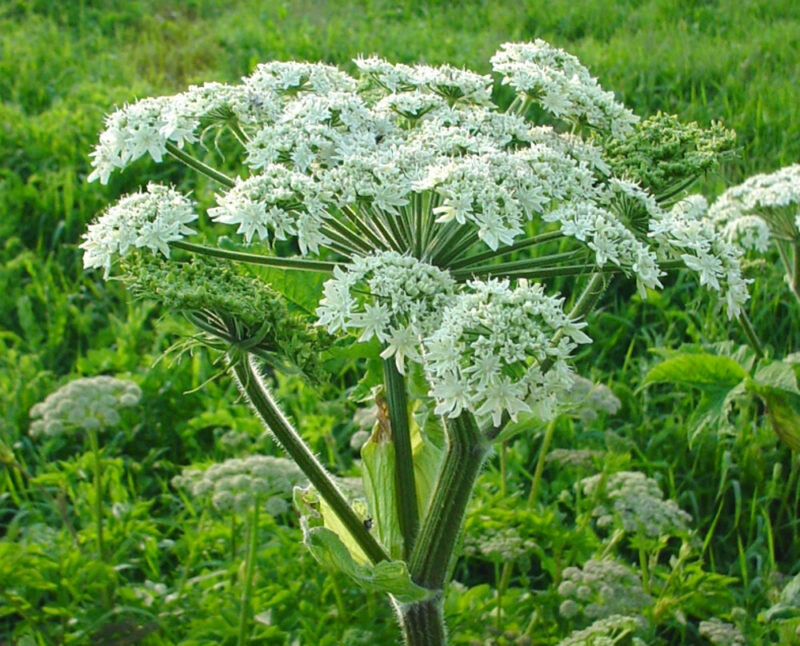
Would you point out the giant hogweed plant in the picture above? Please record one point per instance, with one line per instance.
(442, 221)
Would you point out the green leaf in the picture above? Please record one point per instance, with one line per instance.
(720, 379)
(302, 288)
(783, 412)
(390, 577)
(779, 375)
(704, 371)
(378, 464)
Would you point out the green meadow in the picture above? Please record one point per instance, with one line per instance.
(171, 572)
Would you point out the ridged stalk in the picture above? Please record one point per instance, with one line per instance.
(405, 486)
(258, 395)
(429, 565)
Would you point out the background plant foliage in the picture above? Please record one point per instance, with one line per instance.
(172, 572)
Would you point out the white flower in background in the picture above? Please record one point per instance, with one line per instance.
(721, 633)
(88, 403)
(493, 353)
(562, 85)
(602, 588)
(772, 198)
(636, 503)
(238, 483)
(151, 219)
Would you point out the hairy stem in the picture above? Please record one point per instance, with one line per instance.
(256, 392)
(423, 623)
(397, 401)
(429, 565)
(795, 277)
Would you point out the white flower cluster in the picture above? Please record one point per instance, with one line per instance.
(499, 545)
(445, 81)
(685, 229)
(605, 632)
(88, 403)
(151, 219)
(499, 191)
(611, 241)
(392, 297)
(721, 633)
(584, 398)
(601, 588)
(493, 352)
(634, 502)
(273, 205)
(145, 127)
(239, 483)
(763, 204)
(562, 85)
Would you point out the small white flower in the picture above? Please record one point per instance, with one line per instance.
(152, 220)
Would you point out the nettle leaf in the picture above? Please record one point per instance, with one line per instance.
(783, 412)
(788, 605)
(776, 385)
(777, 374)
(721, 379)
(390, 577)
(704, 371)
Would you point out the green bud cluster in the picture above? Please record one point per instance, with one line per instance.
(665, 155)
(89, 403)
(241, 310)
(237, 484)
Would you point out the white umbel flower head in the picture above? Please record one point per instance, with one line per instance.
(239, 483)
(493, 353)
(88, 403)
(773, 197)
(686, 232)
(394, 298)
(150, 219)
(562, 85)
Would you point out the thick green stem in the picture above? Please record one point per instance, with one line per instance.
(245, 611)
(256, 392)
(429, 565)
(200, 167)
(423, 623)
(98, 494)
(397, 401)
(464, 455)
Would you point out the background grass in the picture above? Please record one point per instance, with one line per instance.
(64, 65)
